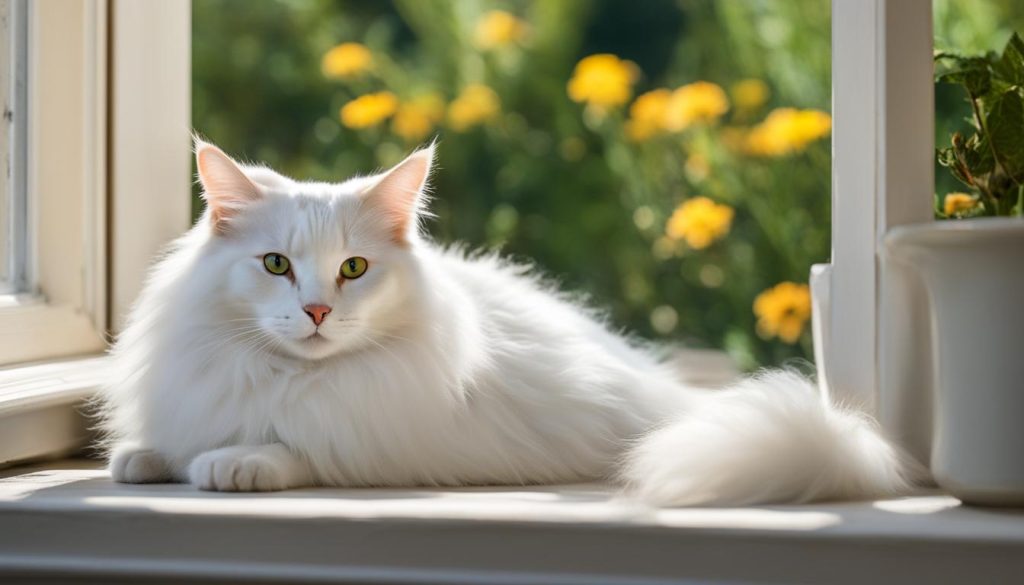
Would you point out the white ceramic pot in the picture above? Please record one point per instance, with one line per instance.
(974, 273)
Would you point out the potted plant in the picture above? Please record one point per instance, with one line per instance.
(972, 264)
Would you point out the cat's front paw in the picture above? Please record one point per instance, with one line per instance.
(238, 469)
(130, 464)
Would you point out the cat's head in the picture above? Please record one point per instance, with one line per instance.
(310, 269)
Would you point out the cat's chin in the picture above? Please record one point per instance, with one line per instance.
(313, 347)
(318, 347)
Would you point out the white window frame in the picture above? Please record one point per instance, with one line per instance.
(871, 333)
(151, 141)
(61, 310)
(108, 184)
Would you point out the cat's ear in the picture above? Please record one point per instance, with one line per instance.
(399, 194)
(226, 188)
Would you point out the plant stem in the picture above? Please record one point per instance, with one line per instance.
(995, 156)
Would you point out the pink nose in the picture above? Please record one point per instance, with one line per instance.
(317, 312)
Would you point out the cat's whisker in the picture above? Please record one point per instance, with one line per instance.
(414, 342)
(230, 335)
(222, 339)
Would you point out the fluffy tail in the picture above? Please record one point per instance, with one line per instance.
(771, 439)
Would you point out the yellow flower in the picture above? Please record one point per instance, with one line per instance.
(783, 310)
(369, 110)
(416, 118)
(475, 105)
(749, 94)
(787, 130)
(603, 81)
(699, 221)
(647, 115)
(498, 28)
(957, 203)
(346, 60)
(698, 102)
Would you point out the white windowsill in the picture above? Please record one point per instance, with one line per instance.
(66, 381)
(68, 518)
(39, 406)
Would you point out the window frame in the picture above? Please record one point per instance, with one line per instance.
(108, 183)
(94, 227)
(61, 308)
(872, 343)
(150, 140)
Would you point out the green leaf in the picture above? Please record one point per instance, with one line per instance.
(1010, 66)
(971, 72)
(952, 158)
(945, 157)
(1005, 124)
(977, 156)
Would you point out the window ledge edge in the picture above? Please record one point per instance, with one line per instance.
(40, 406)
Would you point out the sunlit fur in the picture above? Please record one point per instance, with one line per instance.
(436, 367)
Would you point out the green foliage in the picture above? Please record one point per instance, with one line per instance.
(990, 162)
(966, 27)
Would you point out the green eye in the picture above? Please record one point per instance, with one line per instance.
(354, 267)
(276, 264)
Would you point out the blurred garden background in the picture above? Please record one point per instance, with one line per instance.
(668, 157)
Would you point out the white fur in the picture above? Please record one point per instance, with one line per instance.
(770, 438)
(438, 368)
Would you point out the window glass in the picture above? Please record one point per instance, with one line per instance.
(13, 197)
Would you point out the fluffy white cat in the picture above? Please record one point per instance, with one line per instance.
(308, 334)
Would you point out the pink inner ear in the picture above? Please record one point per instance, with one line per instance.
(225, 187)
(399, 193)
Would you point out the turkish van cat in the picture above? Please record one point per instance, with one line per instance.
(309, 334)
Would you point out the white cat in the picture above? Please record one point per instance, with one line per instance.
(308, 334)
